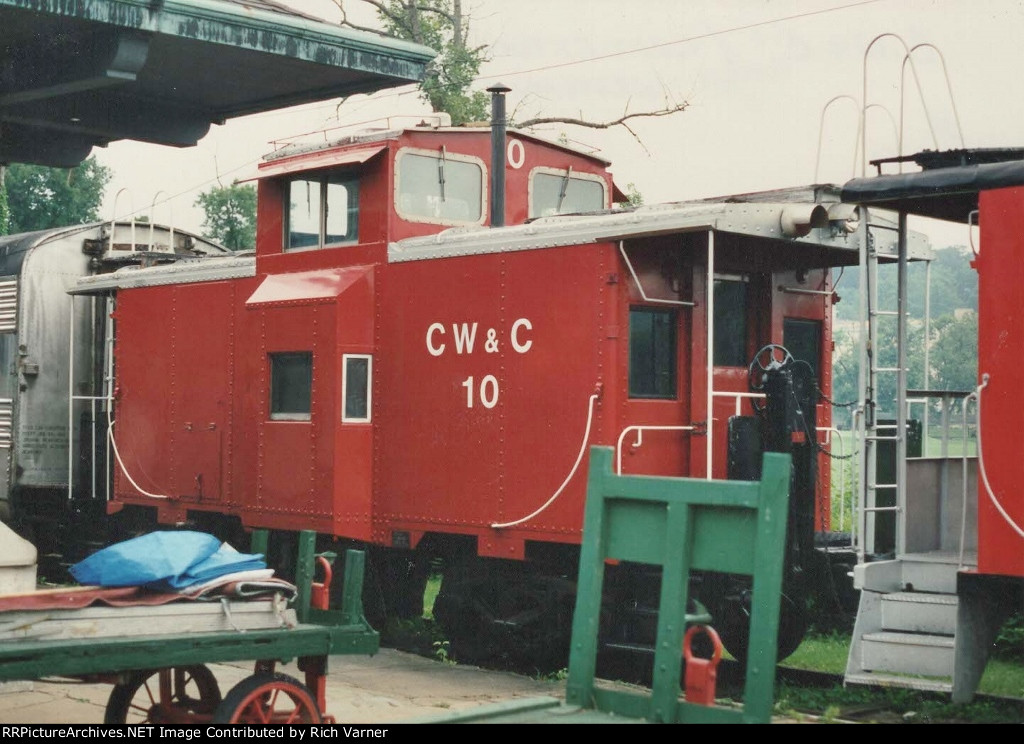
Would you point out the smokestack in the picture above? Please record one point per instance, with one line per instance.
(498, 91)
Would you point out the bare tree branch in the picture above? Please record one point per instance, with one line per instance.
(620, 122)
(348, 24)
(401, 20)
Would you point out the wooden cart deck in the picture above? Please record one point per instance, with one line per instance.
(163, 664)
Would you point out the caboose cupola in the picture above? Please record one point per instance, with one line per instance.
(343, 203)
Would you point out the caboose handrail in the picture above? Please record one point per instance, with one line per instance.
(639, 429)
(113, 221)
(963, 470)
(579, 458)
(864, 98)
(640, 287)
(821, 132)
(949, 89)
(738, 396)
(170, 222)
(984, 473)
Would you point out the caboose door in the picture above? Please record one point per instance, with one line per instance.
(655, 426)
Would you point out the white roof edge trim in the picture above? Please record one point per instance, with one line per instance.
(755, 219)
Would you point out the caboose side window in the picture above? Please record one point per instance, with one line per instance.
(322, 211)
(564, 192)
(652, 352)
(730, 323)
(439, 187)
(291, 386)
(357, 370)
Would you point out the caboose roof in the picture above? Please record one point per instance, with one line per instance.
(360, 146)
(753, 218)
(946, 188)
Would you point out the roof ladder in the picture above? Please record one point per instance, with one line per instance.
(871, 431)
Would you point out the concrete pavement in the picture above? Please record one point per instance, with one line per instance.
(389, 687)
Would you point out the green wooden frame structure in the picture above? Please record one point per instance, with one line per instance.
(682, 525)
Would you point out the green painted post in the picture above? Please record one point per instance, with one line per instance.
(579, 689)
(259, 542)
(304, 569)
(675, 576)
(352, 593)
(767, 589)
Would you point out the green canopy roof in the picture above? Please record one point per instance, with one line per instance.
(79, 73)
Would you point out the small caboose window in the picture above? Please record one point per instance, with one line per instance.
(652, 352)
(322, 211)
(730, 322)
(562, 192)
(291, 386)
(439, 187)
(356, 373)
(803, 339)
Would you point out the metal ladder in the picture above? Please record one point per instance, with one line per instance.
(869, 431)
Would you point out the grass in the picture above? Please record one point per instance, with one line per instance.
(433, 587)
(889, 705)
(821, 653)
(1004, 677)
(827, 652)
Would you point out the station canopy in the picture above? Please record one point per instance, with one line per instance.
(75, 74)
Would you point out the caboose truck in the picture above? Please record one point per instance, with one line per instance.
(394, 372)
(928, 616)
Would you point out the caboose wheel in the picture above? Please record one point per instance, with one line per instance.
(734, 626)
(180, 695)
(268, 698)
(729, 599)
(498, 614)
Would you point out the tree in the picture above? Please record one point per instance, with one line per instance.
(633, 196)
(40, 198)
(954, 356)
(441, 25)
(230, 215)
(5, 211)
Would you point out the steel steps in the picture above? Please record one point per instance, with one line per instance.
(904, 636)
(892, 680)
(907, 653)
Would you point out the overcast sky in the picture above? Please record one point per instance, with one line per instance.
(757, 75)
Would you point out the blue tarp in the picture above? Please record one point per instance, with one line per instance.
(164, 560)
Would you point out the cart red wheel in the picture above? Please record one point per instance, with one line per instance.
(268, 698)
(187, 694)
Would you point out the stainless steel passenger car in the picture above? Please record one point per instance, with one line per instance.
(52, 393)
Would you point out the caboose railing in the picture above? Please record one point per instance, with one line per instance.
(639, 430)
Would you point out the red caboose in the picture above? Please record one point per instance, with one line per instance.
(391, 369)
(931, 611)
